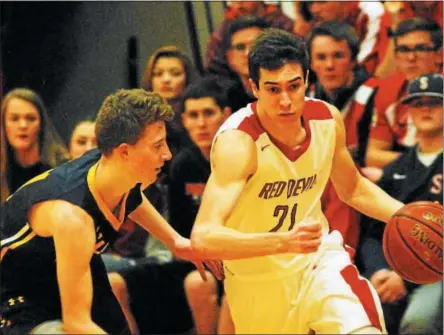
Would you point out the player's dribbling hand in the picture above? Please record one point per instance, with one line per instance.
(305, 237)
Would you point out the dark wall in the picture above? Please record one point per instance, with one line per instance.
(76, 53)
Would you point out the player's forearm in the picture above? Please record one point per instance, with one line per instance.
(371, 200)
(380, 158)
(151, 220)
(219, 242)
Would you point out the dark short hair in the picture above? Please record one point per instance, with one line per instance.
(244, 22)
(420, 24)
(124, 116)
(339, 32)
(212, 87)
(272, 49)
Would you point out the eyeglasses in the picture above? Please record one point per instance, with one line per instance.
(419, 49)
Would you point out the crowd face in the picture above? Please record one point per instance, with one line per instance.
(22, 124)
(202, 118)
(323, 11)
(245, 7)
(427, 115)
(237, 54)
(415, 54)
(332, 63)
(83, 139)
(169, 77)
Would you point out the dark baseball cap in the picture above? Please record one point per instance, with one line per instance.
(428, 85)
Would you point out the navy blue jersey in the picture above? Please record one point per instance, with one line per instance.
(29, 287)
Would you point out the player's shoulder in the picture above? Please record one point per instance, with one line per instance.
(316, 109)
(59, 211)
(65, 181)
(244, 120)
(234, 154)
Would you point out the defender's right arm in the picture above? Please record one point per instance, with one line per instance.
(234, 161)
(74, 238)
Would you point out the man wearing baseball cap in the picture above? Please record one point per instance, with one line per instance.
(429, 85)
(415, 175)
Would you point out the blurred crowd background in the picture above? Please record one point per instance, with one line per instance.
(59, 60)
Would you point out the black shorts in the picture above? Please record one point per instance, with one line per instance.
(157, 296)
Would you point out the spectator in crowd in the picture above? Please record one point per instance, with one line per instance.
(30, 144)
(402, 10)
(333, 48)
(416, 43)
(83, 138)
(168, 72)
(215, 61)
(205, 108)
(415, 175)
(370, 20)
(240, 36)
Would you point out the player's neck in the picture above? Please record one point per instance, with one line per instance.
(105, 181)
(291, 134)
(27, 157)
(429, 143)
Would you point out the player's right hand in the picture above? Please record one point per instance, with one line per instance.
(305, 237)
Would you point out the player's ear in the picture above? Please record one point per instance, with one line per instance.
(226, 111)
(122, 150)
(254, 88)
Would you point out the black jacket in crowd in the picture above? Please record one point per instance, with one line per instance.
(407, 180)
(189, 173)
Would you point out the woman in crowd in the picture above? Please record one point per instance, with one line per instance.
(30, 144)
(83, 138)
(168, 72)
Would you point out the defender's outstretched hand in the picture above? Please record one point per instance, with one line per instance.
(183, 250)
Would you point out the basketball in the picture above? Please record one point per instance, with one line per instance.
(412, 242)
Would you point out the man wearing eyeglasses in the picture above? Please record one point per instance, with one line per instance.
(417, 42)
(239, 38)
(416, 175)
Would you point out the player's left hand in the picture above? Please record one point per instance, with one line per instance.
(184, 250)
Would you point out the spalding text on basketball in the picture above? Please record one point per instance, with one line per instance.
(422, 237)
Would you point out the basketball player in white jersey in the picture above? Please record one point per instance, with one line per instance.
(261, 211)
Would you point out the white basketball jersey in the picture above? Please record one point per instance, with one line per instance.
(286, 187)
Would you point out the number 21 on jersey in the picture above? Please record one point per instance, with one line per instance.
(281, 212)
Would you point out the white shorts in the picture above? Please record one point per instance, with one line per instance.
(49, 327)
(327, 297)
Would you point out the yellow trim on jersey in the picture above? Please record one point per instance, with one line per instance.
(16, 236)
(18, 243)
(115, 222)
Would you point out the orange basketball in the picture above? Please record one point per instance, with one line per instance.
(412, 242)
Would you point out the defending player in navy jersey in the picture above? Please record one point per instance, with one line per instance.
(54, 228)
